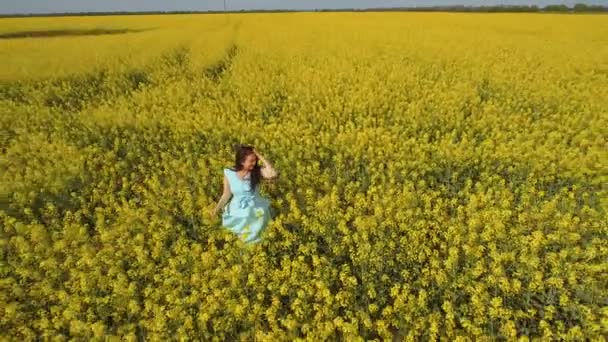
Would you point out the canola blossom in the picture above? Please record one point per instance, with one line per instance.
(442, 176)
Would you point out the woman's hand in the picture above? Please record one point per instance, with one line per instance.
(257, 154)
(267, 170)
(260, 158)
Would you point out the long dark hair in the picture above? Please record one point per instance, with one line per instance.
(242, 151)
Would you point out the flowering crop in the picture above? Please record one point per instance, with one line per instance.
(441, 176)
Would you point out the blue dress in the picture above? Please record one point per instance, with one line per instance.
(248, 213)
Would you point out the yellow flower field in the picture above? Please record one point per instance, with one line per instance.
(442, 176)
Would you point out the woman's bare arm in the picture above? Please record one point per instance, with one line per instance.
(225, 196)
(267, 170)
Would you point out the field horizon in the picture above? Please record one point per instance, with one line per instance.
(441, 176)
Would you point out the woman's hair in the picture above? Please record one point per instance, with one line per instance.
(242, 151)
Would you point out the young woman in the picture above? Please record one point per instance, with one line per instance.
(247, 213)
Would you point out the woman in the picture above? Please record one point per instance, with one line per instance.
(248, 213)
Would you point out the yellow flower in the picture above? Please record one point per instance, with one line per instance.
(259, 213)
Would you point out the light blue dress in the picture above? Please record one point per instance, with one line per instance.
(247, 213)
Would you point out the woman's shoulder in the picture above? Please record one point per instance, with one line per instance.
(228, 170)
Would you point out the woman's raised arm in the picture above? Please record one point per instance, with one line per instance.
(267, 170)
(225, 197)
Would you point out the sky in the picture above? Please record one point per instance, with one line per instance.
(60, 6)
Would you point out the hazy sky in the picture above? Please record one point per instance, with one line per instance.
(50, 6)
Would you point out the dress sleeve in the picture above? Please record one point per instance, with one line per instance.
(227, 174)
